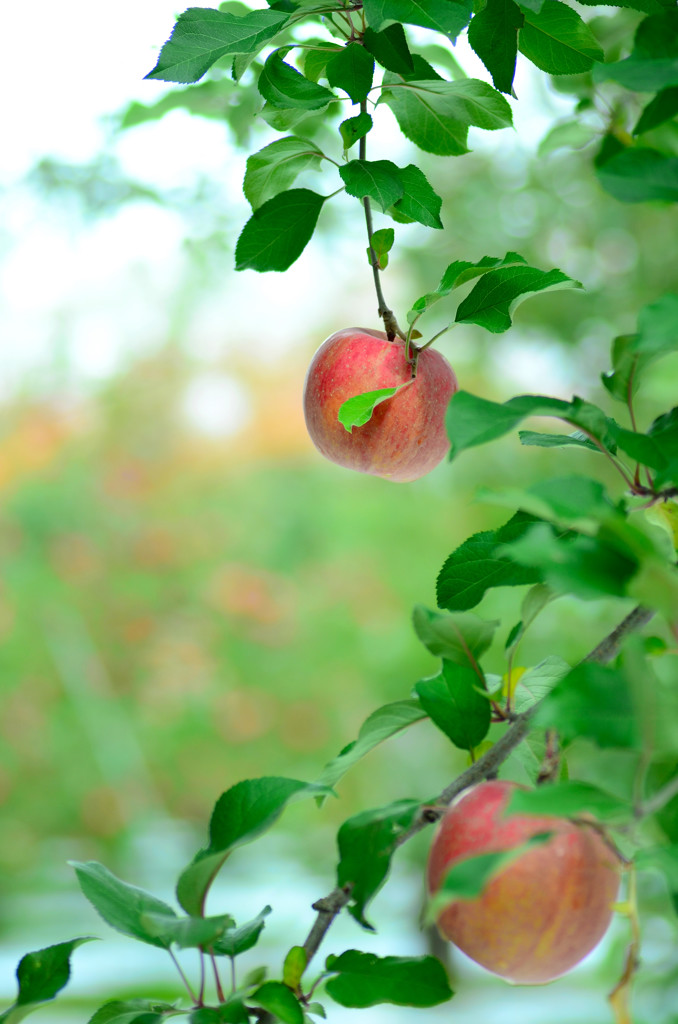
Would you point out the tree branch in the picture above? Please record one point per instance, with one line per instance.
(485, 767)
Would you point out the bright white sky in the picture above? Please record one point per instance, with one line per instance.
(88, 297)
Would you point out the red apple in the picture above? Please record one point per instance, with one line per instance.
(543, 912)
(405, 438)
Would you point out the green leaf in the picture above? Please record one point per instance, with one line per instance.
(383, 723)
(472, 421)
(390, 48)
(447, 16)
(274, 168)
(364, 979)
(493, 34)
(571, 500)
(558, 41)
(593, 702)
(660, 109)
(377, 179)
(436, 115)
(568, 800)
(653, 63)
(632, 353)
(494, 298)
(539, 440)
(458, 273)
(242, 813)
(132, 1011)
(381, 244)
(367, 842)
(186, 932)
(317, 58)
(355, 128)
(567, 135)
(457, 704)
(538, 681)
(233, 1011)
(41, 975)
(294, 966)
(357, 411)
(202, 36)
(238, 940)
(474, 567)
(462, 637)
(590, 567)
(122, 906)
(637, 175)
(278, 232)
(285, 88)
(352, 70)
(419, 201)
(665, 860)
(277, 998)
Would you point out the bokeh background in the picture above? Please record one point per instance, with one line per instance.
(189, 595)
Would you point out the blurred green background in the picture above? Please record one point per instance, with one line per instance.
(190, 595)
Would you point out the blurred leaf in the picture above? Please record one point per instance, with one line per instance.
(280, 1001)
(233, 1011)
(363, 979)
(294, 966)
(277, 233)
(558, 41)
(456, 702)
(637, 175)
(352, 70)
(567, 135)
(461, 638)
(123, 906)
(665, 860)
(242, 813)
(572, 500)
(390, 48)
(366, 844)
(238, 940)
(186, 932)
(441, 15)
(285, 88)
(661, 108)
(592, 701)
(472, 421)
(419, 201)
(377, 179)
(202, 36)
(132, 1011)
(539, 440)
(495, 297)
(568, 800)
(355, 128)
(276, 166)
(474, 567)
(653, 63)
(493, 34)
(380, 725)
(41, 975)
(357, 411)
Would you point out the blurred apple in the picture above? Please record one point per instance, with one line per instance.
(544, 911)
(405, 437)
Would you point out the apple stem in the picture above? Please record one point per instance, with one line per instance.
(386, 314)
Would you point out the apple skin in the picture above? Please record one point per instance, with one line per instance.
(405, 438)
(546, 910)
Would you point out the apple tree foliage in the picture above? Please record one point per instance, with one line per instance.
(319, 73)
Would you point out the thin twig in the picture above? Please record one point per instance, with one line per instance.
(660, 799)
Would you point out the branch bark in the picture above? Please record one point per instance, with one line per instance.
(486, 766)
